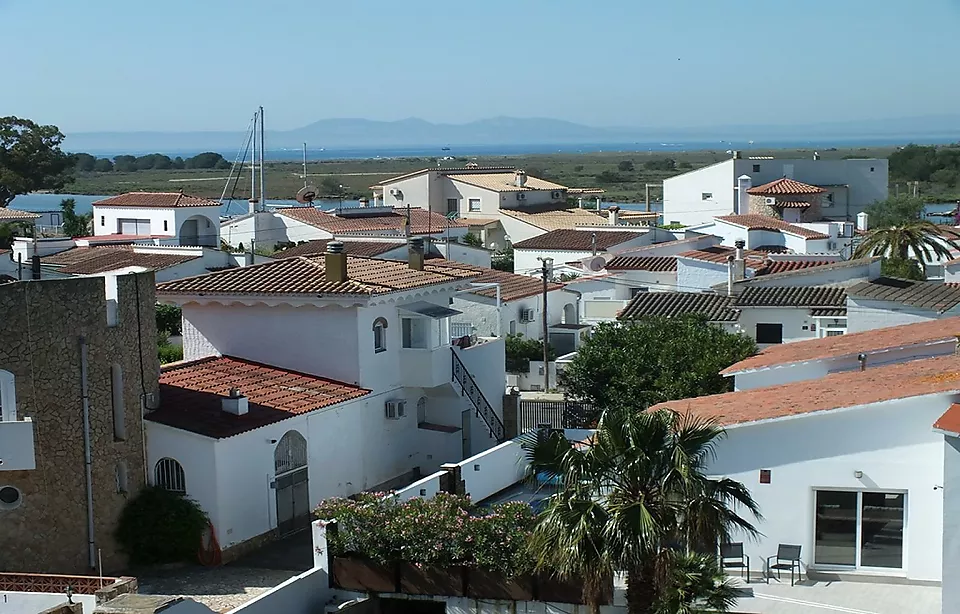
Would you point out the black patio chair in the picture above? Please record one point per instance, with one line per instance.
(787, 557)
(732, 557)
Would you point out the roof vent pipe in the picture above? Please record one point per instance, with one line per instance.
(614, 217)
(730, 266)
(335, 263)
(863, 361)
(520, 179)
(235, 403)
(593, 242)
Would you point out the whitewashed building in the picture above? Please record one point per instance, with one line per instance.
(174, 216)
(310, 377)
(769, 234)
(888, 301)
(721, 189)
(846, 466)
(573, 245)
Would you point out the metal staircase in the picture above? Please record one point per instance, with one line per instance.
(480, 403)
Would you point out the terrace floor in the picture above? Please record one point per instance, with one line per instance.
(826, 597)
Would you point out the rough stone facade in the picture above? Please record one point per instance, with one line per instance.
(41, 327)
(758, 206)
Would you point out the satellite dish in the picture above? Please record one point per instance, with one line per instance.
(597, 264)
(307, 194)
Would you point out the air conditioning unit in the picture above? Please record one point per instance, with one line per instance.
(526, 315)
(521, 196)
(769, 200)
(554, 195)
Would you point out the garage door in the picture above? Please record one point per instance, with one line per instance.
(133, 227)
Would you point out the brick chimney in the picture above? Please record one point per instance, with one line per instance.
(415, 253)
(739, 262)
(335, 262)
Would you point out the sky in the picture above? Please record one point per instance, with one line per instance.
(188, 65)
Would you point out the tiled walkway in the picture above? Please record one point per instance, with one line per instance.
(811, 597)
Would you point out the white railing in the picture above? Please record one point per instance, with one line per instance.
(460, 329)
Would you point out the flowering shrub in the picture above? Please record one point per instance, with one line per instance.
(443, 531)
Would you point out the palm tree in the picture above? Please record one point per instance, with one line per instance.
(633, 497)
(918, 239)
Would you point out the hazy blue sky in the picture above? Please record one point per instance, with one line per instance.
(205, 64)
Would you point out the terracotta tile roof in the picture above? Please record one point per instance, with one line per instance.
(478, 221)
(304, 275)
(717, 307)
(771, 249)
(821, 267)
(657, 264)
(828, 312)
(156, 199)
(352, 248)
(785, 186)
(763, 222)
(555, 217)
(850, 344)
(504, 182)
(772, 267)
(791, 203)
(191, 395)
(577, 240)
(950, 420)
(421, 221)
(100, 259)
(512, 286)
(446, 170)
(835, 391)
(719, 253)
(665, 244)
(7, 214)
(932, 295)
(792, 296)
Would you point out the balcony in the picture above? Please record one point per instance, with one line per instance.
(425, 344)
(16, 445)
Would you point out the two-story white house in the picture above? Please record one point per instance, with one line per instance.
(721, 189)
(770, 234)
(177, 217)
(310, 377)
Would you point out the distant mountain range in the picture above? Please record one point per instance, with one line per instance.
(364, 133)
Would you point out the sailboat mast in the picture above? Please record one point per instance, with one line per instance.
(304, 165)
(253, 159)
(263, 193)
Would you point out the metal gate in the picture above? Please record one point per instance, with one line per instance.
(292, 483)
(557, 414)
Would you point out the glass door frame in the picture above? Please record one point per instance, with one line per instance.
(895, 571)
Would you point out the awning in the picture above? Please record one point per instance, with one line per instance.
(430, 310)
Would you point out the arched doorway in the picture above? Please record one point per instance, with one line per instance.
(291, 483)
(199, 230)
(570, 314)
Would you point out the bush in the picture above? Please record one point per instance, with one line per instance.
(625, 166)
(158, 526)
(520, 351)
(472, 240)
(168, 353)
(169, 319)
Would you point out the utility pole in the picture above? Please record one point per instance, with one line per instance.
(545, 271)
(263, 190)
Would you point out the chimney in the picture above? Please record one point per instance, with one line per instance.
(364, 202)
(520, 179)
(863, 361)
(236, 403)
(593, 243)
(863, 221)
(415, 253)
(252, 205)
(335, 262)
(816, 155)
(956, 350)
(730, 275)
(614, 217)
(736, 154)
(739, 263)
(744, 183)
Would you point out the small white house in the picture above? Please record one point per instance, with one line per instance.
(189, 220)
(721, 189)
(573, 245)
(769, 234)
(845, 466)
(888, 301)
(309, 377)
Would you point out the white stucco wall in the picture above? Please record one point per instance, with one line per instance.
(106, 219)
(31, 603)
(415, 191)
(481, 312)
(793, 320)
(486, 362)
(865, 314)
(516, 231)
(951, 524)
(891, 443)
(697, 275)
(683, 200)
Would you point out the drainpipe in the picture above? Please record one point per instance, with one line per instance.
(88, 460)
(730, 265)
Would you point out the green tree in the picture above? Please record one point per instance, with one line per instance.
(85, 162)
(7, 233)
(207, 159)
(654, 360)
(103, 165)
(625, 166)
(74, 224)
(31, 158)
(472, 240)
(125, 164)
(946, 176)
(684, 166)
(660, 164)
(521, 350)
(894, 211)
(330, 186)
(178, 163)
(502, 260)
(169, 319)
(637, 499)
(904, 269)
(918, 240)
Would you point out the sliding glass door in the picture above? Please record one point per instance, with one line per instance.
(859, 529)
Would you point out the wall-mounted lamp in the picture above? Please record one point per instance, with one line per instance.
(858, 474)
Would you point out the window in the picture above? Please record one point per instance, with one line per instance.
(513, 327)
(453, 205)
(474, 204)
(164, 225)
(414, 333)
(871, 169)
(756, 168)
(290, 454)
(10, 498)
(116, 390)
(121, 475)
(835, 332)
(168, 475)
(706, 195)
(828, 201)
(859, 529)
(8, 397)
(769, 333)
(636, 291)
(380, 335)
(103, 220)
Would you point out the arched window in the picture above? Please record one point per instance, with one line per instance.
(380, 335)
(119, 421)
(291, 453)
(168, 474)
(8, 397)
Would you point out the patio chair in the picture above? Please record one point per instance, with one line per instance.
(732, 557)
(787, 557)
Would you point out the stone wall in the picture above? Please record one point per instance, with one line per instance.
(758, 206)
(43, 322)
